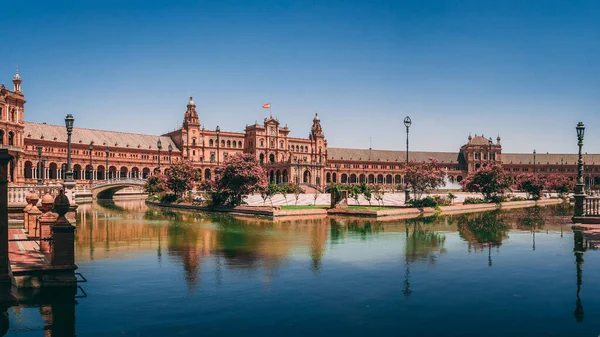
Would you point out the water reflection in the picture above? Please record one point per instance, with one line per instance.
(422, 245)
(211, 256)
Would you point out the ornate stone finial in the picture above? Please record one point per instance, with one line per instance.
(47, 206)
(61, 206)
(17, 77)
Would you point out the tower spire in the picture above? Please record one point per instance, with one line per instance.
(17, 81)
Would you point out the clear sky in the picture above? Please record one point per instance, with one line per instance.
(527, 70)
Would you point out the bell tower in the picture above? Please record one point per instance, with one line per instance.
(319, 146)
(191, 137)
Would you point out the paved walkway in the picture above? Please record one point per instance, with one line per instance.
(24, 254)
(389, 199)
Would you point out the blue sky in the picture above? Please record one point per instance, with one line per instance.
(527, 70)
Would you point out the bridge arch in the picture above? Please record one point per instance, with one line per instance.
(106, 189)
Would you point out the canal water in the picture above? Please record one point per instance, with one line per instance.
(153, 272)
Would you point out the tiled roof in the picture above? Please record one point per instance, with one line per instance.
(548, 158)
(35, 131)
(389, 156)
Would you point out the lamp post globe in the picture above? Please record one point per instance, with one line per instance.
(407, 124)
(579, 195)
(69, 122)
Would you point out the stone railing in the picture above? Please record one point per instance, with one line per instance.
(133, 181)
(16, 194)
(591, 206)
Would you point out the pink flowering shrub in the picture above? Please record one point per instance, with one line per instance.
(238, 176)
(559, 183)
(424, 176)
(182, 177)
(156, 184)
(490, 181)
(532, 184)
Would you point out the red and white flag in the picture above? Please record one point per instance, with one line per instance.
(267, 106)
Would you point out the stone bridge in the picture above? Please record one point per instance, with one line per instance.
(105, 189)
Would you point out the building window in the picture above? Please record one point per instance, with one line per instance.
(211, 143)
(212, 157)
(12, 115)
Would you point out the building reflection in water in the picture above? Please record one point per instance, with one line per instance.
(56, 307)
(422, 245)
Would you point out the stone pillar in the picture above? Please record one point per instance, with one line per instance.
(5, 279)
(46, 220)
(32, 216)
(62, 252)
(26, 209)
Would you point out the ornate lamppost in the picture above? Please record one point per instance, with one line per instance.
(297, 172)
(407, 123)
(40, 180)
(218, 130)
(170, 152)
(159, 146)
(490, 142)
(579, 195)
(106, 171)
(69, 183)
(534, 153)
(91, 148)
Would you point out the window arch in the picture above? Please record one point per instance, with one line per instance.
(297, 148)
(222, 143)
(271, 158)
(262, 143)
(12, 115)
(228, 143)
(211, 143)
(1, 137)
(262, 158)
(240, 144)
(11, 138)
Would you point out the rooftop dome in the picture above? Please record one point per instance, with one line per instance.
(480, 140)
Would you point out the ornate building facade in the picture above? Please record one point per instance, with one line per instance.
(40, 152)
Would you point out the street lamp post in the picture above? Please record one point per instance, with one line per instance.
(91, 148)
(170, 152)
(534, 153)
(40, 180)
(490, 142)
(407, 123)
(69, 183)
(106, 170)
(579, 195)
(218, 130)
(297, 172)
(159, 146)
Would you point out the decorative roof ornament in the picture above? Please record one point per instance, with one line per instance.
(17, 77)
